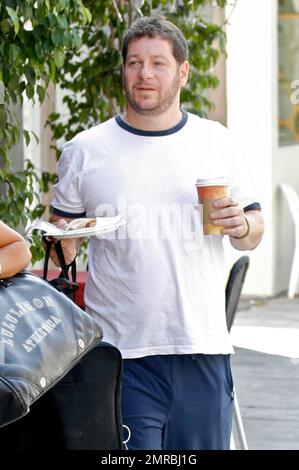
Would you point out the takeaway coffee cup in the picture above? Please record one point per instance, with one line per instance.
(208, 190)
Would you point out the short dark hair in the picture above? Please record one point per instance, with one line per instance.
(157, 26)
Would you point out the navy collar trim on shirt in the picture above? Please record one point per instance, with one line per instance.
(141, 132)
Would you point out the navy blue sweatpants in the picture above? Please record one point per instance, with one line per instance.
(178, 402)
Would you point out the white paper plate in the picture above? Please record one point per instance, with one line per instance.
(85, 232)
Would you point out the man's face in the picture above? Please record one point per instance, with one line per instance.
(152, 76)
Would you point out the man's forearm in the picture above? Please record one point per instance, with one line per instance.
(256, 230)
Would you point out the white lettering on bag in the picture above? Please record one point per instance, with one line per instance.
(46, 328)
(14, 315)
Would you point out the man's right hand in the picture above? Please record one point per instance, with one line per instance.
(68, 245)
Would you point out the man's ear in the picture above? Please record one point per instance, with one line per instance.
(184, 72)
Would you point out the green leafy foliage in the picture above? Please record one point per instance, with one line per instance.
(35, 35)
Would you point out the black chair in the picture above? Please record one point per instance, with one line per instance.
(233, 289)
(232, 296)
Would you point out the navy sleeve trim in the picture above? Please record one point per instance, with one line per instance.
(67, 214)
(255, 206)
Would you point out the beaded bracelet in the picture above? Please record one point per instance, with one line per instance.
(247, 231)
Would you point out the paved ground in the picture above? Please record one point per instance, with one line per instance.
(268, 386)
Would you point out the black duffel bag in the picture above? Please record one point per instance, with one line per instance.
(43, 334)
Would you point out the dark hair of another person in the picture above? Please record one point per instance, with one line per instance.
(157, 26)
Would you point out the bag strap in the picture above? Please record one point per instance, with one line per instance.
(62, 283)
(63, 265)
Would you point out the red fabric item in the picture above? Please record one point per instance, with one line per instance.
(81, 280)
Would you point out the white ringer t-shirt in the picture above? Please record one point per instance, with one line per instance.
(157, 285)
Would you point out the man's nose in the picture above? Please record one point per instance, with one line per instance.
(146, 72)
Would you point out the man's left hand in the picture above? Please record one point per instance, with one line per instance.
(230, 214)
(243, 235)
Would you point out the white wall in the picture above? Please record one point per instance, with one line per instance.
(251, 79)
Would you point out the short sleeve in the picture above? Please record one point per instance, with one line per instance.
(67, 200)
(242, 186)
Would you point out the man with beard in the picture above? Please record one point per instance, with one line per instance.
(157, 285)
